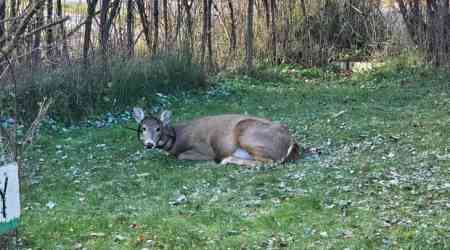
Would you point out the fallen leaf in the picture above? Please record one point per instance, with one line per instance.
(119, 237)
(50, 204)
(143, 175)
(97, 235)
(179, 200)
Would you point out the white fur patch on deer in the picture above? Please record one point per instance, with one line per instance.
(225, 139)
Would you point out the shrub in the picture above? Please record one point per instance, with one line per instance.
(80, 91)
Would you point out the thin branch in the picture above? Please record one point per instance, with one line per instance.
(80, 25)
(32, 130)
(22, 27)
(28, 34)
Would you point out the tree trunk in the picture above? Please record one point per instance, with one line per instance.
(287, 26)
(267, 22)
(233, 37)
(178, 22)
(36, 48)
(62, 31)
(166, 25)
(50, 39)
(156, 26)
(190, 39)
(209, 36)
(130, 28)
(446, 29)
(104, 30)
(303, 7)
(436, 31)
(204, 33)
(2, 34)
(273, 9)
(145, 23)
(429, 32)
(106, 22)
(13, 12)
(249, 36)
(2, 22)
(409, 21)
(91, 5)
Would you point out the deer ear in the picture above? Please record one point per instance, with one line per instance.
(138, 114)
(166, 117)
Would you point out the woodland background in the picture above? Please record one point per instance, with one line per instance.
(83, 53)
(364, 82)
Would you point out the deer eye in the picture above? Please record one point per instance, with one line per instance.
(158, 129)
(144, 128)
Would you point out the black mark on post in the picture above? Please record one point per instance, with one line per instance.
(3, 197)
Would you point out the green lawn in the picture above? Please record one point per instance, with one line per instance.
(382, 181)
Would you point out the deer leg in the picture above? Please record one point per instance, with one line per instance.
(194, 156)
(239, 161)
(258, 154)
(263, 159)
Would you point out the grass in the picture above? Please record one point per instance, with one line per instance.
(382, 181)
(79, 92)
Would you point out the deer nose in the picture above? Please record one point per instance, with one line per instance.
(149, 145)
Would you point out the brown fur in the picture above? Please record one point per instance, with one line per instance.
(218, 137)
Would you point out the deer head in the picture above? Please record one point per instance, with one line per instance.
(154, 132)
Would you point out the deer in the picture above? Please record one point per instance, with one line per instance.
(226, 139)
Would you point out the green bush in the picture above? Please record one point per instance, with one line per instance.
(79, 92)
(142, 78)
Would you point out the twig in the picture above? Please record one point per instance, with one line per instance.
(339, 114)
(28, 34)
(22, 27)
(4, 71)
(356, 9)
(31, 132)
(12, 19)
(81, 24)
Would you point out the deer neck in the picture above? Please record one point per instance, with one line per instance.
(168, 139)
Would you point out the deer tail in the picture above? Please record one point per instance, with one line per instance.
(292, 154)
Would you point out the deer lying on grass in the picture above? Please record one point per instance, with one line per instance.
(226, 139)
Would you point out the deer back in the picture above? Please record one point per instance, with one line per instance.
(217, 137)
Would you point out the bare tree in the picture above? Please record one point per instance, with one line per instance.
(91, 5)
(430, 32)
(62, 31)
(412, 17)
(303, 7)
(22, 26)
(106, 22)
(267, 22)
(189, 23)
(178, 22)
(209, 36)
(2, 21)
(130, 28)
(233, 37)
(13, 9)
(191, 26)
(166, 24)
(249, 36)
(145, 23)
(273, 31)
(204, 33)
(36, 47)
(287, 24)
(156, 26)
(49, 33)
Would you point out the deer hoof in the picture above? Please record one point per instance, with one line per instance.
(226, 161)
